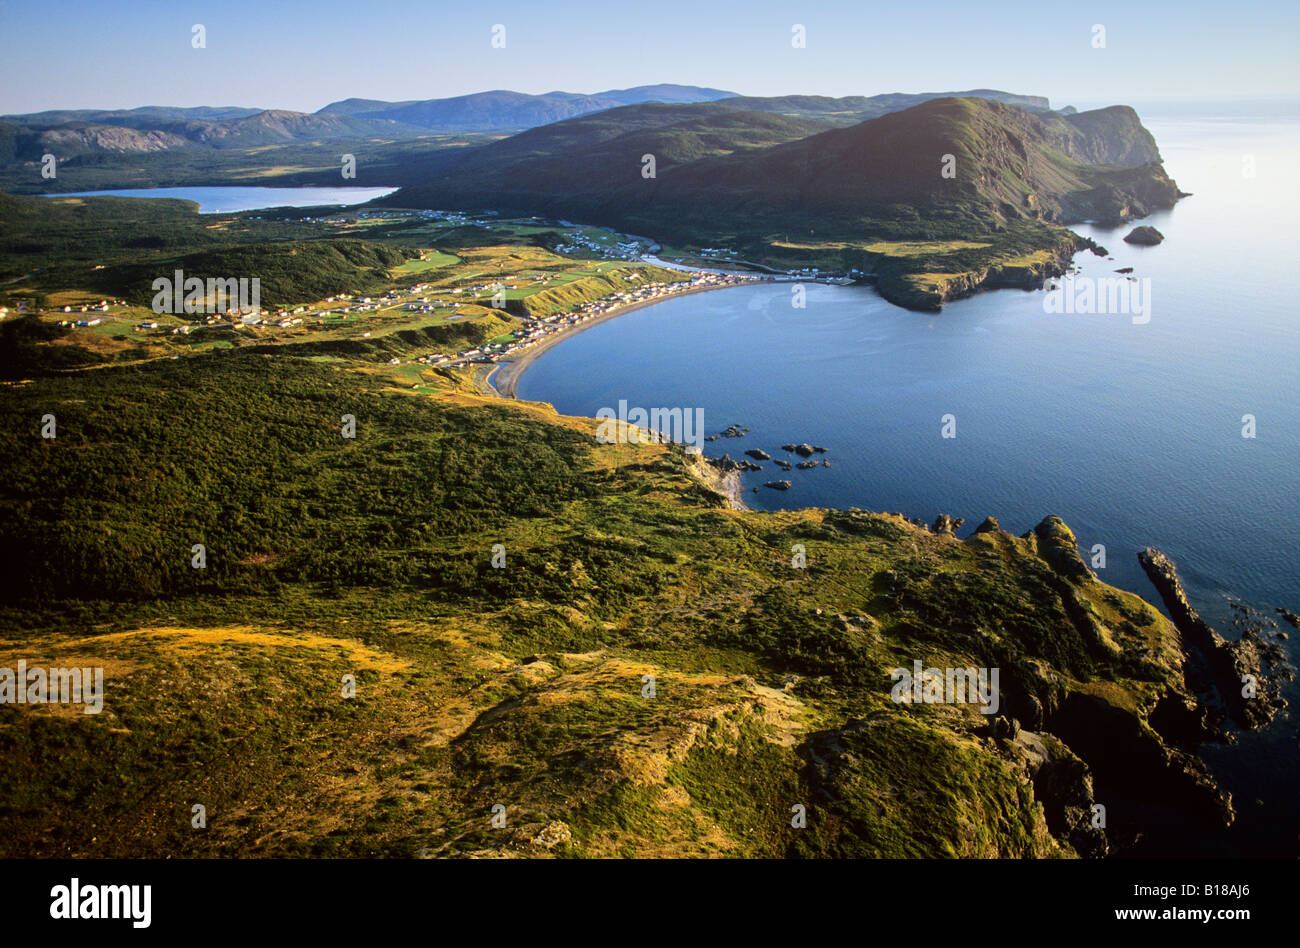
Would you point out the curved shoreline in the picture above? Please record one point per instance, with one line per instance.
(504, 379)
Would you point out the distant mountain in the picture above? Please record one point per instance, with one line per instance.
(29, 140)
(714, 161)
(850, 110)
(502, 110)
(276, 126)
(142, 117)
(1008, 164)
(788, 190)
(73, 132)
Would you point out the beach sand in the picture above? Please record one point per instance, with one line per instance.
(506, 377)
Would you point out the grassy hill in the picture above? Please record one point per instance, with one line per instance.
(950, 169)
(525, 686)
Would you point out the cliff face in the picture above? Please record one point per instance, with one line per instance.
(899, 283)
(1110, 136)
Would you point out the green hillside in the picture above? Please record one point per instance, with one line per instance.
(525, 686)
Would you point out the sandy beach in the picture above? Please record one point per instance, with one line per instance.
(505, 378)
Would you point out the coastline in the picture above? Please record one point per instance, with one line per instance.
(727, 484)
(504, 380)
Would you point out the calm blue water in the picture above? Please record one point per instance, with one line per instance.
(1131, 433)
(229, 200)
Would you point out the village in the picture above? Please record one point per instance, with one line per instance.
(538, 330)
(449, 290)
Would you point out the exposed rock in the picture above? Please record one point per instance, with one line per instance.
(1145, 236)
(1063, 785)
(778, 485)
(758, 454)
(1124, 270)
(946, 524)
(990, 525)
(1227, 666)
(825, 462)
(806, 465)
(783, 465)
(726, 464)
(735, 431)
(1004, 728)
(553, 834)
(803, 450)
(1289, 616)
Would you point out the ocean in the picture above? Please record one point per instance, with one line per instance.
(1130, 426)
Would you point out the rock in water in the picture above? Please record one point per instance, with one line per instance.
(778, 485)
(1146, 236)
(758, 454)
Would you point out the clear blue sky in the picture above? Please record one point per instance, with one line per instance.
(274, 53)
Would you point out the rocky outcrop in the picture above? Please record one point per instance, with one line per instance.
(1062, 784)
(758, 454)
(930, 292)
(1241, 677)
(1144, 236)
(778, 485)
(946, 524)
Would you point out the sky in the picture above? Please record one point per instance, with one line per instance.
(302, 56)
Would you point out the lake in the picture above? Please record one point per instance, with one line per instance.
(227, 200)
(1131, 432)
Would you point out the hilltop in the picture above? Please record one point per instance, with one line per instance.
(933, 200)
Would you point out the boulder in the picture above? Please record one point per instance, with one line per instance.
(946, 524)
(1144, 236)
(758, 454)
(778, 485)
